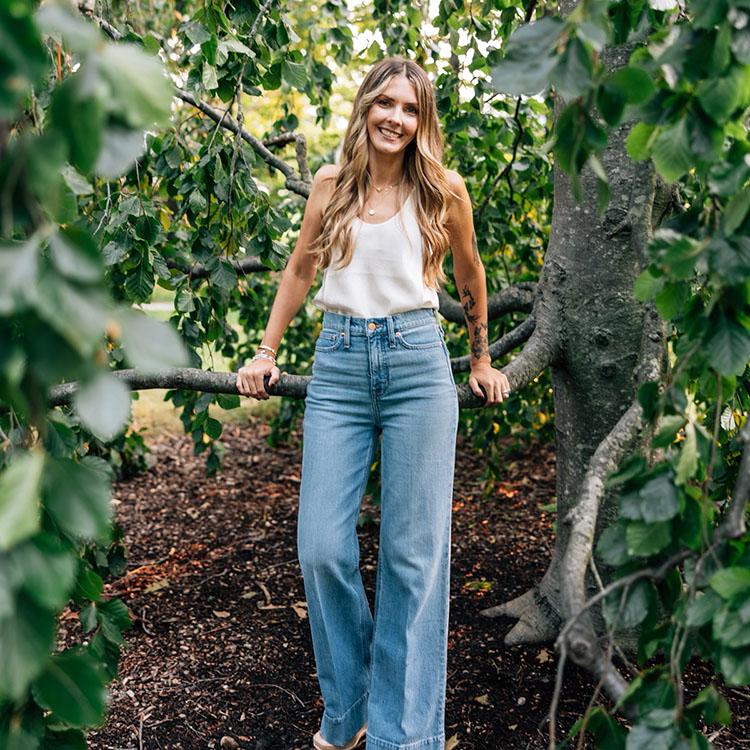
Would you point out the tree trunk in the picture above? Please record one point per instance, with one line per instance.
(590, 267)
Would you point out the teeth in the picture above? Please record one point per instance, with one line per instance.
(389, 132)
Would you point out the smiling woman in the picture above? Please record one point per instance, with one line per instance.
(380, 225)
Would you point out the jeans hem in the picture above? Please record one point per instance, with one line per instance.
(339, 730)
(431, 743)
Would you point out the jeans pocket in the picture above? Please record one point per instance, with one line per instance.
(329, 341)
(424, 336)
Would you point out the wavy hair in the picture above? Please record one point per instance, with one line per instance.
(424, 174)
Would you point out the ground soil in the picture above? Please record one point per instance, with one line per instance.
(220, 652)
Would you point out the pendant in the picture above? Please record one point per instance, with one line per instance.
(371, 211)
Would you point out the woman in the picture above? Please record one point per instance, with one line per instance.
(380, 224)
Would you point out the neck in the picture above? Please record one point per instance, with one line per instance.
(386, 170)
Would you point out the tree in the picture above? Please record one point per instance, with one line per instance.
(635, 376)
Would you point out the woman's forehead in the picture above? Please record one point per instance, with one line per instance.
(401, 88)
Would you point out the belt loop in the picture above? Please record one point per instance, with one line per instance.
(347, 329)
(391, 331)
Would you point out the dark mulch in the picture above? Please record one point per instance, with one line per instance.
(221, 644)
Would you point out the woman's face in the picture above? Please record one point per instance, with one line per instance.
(393, 117)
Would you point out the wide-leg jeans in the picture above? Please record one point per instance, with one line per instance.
(387, 378)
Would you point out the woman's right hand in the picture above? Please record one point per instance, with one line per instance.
(250, 378)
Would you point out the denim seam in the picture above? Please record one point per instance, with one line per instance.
(348, 710)
(409, 746)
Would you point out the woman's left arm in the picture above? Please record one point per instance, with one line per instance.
(471, 282)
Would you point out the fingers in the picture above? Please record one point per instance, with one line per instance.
(492, 390)
(250, 381)
(275, 376)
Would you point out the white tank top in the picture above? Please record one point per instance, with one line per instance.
(384, 276)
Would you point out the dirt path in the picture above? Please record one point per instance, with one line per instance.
(221, 644)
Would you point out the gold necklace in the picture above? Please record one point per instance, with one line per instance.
(386, 188)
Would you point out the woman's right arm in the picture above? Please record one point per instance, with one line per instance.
(295, 283)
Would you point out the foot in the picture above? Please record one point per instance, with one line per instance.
(320, 744)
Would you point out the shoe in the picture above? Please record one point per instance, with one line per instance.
(320, 744)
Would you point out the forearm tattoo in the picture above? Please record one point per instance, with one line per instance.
(477, 330)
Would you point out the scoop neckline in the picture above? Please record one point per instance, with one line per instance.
(390, 218)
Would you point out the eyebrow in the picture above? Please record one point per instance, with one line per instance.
(408, 104)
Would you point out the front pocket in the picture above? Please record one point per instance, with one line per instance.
(328, 341)
(421, 337)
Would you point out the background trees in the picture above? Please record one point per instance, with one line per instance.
(95, 220)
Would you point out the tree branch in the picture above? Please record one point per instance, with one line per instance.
(250, 264)
(297, 184)
(515, 298)
(502, 346)
(207, 381)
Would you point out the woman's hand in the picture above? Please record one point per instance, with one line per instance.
(494, 382)
(250, 378)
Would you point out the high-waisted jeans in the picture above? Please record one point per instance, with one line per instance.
(387, 377)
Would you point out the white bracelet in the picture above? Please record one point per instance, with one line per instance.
(263, 355)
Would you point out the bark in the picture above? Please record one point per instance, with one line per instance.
(207, 381)
(589, 270)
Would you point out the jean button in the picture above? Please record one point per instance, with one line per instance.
(371, 326)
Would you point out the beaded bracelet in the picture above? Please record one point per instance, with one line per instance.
(268, 348)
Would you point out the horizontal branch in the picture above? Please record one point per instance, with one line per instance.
(207, 381)
(515, 298)
(502, 346)
(250, 264)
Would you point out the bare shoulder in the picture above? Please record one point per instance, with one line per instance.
(323, 186)
(457, 185)
(326, 174)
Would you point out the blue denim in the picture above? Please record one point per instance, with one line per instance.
(389, 378)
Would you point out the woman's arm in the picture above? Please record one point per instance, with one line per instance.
(296, 280)
(471, 282)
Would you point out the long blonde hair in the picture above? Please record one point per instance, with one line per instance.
(424, 173)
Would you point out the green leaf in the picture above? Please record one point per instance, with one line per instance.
(650, 738)
(295, 74)
(639, 600)
(647, 286)
(150, 344)
(103, 405)
(114, 617)
(73, 687)
(79, 117)
(654, 501)
(735, 666)
(671, 152)
(19, 498)
(27, 637)
(46, 570)
(120, 149)
(529, 58)
(140, 93)
(208, 77)
(89, 584)
(640, 140)
(572, 74)
(213, 428)
(719, 97)
(712, 706)
(634, 83)
(78, 498)
(77, 183)
(18, 272)
(736, 211)
(729, 582)
(23, 58)
(645, 539)
(76, 255)
(727, 345)
(702, 609)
